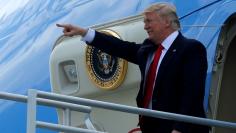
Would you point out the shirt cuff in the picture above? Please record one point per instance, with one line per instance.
(89, 36)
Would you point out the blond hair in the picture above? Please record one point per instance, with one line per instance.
(166, 10)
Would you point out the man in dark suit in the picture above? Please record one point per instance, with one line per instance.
(173, 68)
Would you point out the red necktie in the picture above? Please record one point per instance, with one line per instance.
(151, 77)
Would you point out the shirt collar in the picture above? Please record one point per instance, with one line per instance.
(169, 40)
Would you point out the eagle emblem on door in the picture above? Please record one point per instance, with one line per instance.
(105, 71)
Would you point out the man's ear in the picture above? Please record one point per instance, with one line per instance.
(167, 22)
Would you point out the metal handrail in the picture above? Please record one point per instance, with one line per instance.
(136, 110)
(32, 101)
(46, 102)
(64, 128)
(58, 100)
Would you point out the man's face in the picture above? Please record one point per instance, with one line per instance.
(154, 25)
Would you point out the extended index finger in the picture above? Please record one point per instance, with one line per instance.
(64, 25)
(60, 25)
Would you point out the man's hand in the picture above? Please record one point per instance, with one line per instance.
(71, 30)
(175, 131)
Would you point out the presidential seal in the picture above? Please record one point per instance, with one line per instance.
(105, 71)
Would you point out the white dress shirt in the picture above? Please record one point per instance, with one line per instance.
(89, 36)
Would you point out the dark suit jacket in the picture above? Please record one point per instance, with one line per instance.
(180, 80)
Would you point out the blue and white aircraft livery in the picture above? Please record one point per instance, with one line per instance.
(28, 34)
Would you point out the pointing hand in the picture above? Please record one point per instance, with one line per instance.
(71, 30)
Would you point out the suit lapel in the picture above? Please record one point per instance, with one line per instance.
(170, 54)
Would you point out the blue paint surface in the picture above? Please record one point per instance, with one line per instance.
(28, 32)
